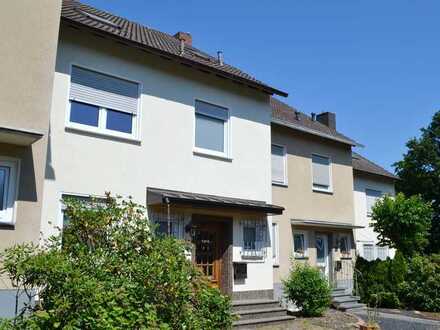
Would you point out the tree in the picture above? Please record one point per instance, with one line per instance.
(110, 271)
(402, 223)
(420, 174)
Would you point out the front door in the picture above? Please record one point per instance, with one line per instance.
(208, 251)
(322, 259)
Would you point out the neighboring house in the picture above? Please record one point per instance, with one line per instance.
(312, 177)
(27, 70)
(141, 113)
(371, 182)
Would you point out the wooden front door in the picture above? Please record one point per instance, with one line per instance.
(209, 248)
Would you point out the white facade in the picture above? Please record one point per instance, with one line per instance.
(366, 238)
(163, 154)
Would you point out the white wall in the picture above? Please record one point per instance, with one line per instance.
(88, 164)
(361, 183)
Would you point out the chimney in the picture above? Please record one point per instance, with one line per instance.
(185, 36)
(220, 57)
(313, 116)
(328, 119)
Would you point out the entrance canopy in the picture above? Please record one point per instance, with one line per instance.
(19, 137)
(324, 223)
(156, 196)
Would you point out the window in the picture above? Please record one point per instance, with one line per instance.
(279, 164)
(372, 197)
(321, 173)
(344, 246)
(255, 238)
(299, 244)
(211, 128)
(382, 252)
(369, 252)
(160, 220)
(8, 189)
(103, 104)
(90, 202)
(275, 244)
(249, 237)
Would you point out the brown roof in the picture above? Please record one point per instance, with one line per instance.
(285, 115)
(156, 42)
(362, 164)
(156, 195)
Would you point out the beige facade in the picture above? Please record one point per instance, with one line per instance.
(305, 206)
(27, 61)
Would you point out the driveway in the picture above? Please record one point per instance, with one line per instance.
(389, 321)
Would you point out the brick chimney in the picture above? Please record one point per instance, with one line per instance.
(185, 36)
(328, 119)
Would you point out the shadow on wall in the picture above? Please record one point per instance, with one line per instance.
(49, 172)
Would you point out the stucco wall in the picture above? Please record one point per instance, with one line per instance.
(27, 61)
(299, 199)
(361, 183)
(89, 164)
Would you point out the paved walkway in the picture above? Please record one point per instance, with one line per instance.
(388, 321)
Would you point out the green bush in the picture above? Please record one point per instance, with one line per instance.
(411, 283)
(308, 290)
(111, 272)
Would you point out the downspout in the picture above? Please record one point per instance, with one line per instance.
(167, 201)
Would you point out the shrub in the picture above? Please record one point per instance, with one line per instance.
(403, 223)
(308, 290)
(411, 283)
(111, 272)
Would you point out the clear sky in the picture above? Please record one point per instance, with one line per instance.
(375, 63)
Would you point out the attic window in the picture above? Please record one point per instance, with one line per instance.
(99, 19)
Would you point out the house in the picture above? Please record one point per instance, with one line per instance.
(371, 182)
(142, 113)
(27, 69)
(312, 177)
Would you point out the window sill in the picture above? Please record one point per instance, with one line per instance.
(278, 184)
(302, 258)
(323, 191)
(211, 154)
(106, 135)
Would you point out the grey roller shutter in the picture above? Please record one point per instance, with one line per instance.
(321, 171)
(278, 165)
(103, 90)
(211, 110)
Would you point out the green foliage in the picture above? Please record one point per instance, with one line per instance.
(420, 174)
(410, 283)
(402, 223)
(308, 290)
(111, 272)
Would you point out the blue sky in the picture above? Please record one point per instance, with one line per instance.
(374, 63)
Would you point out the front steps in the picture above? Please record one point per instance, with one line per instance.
(344, 301)
(254, 313)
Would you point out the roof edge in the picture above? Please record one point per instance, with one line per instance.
(182, 60)
(317, 133)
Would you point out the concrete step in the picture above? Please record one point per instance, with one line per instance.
(343, 299)
(348, 306)
(338, 293)
(261, 313)
(255, 323)
(244, 305)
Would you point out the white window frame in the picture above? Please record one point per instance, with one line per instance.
(102, 112)
(329, 189)
(348, 237)
(366, 199)
(226, 154)
(276, 246)
(8, 215)
(373, 249)
(306, 244)
(285, 179)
